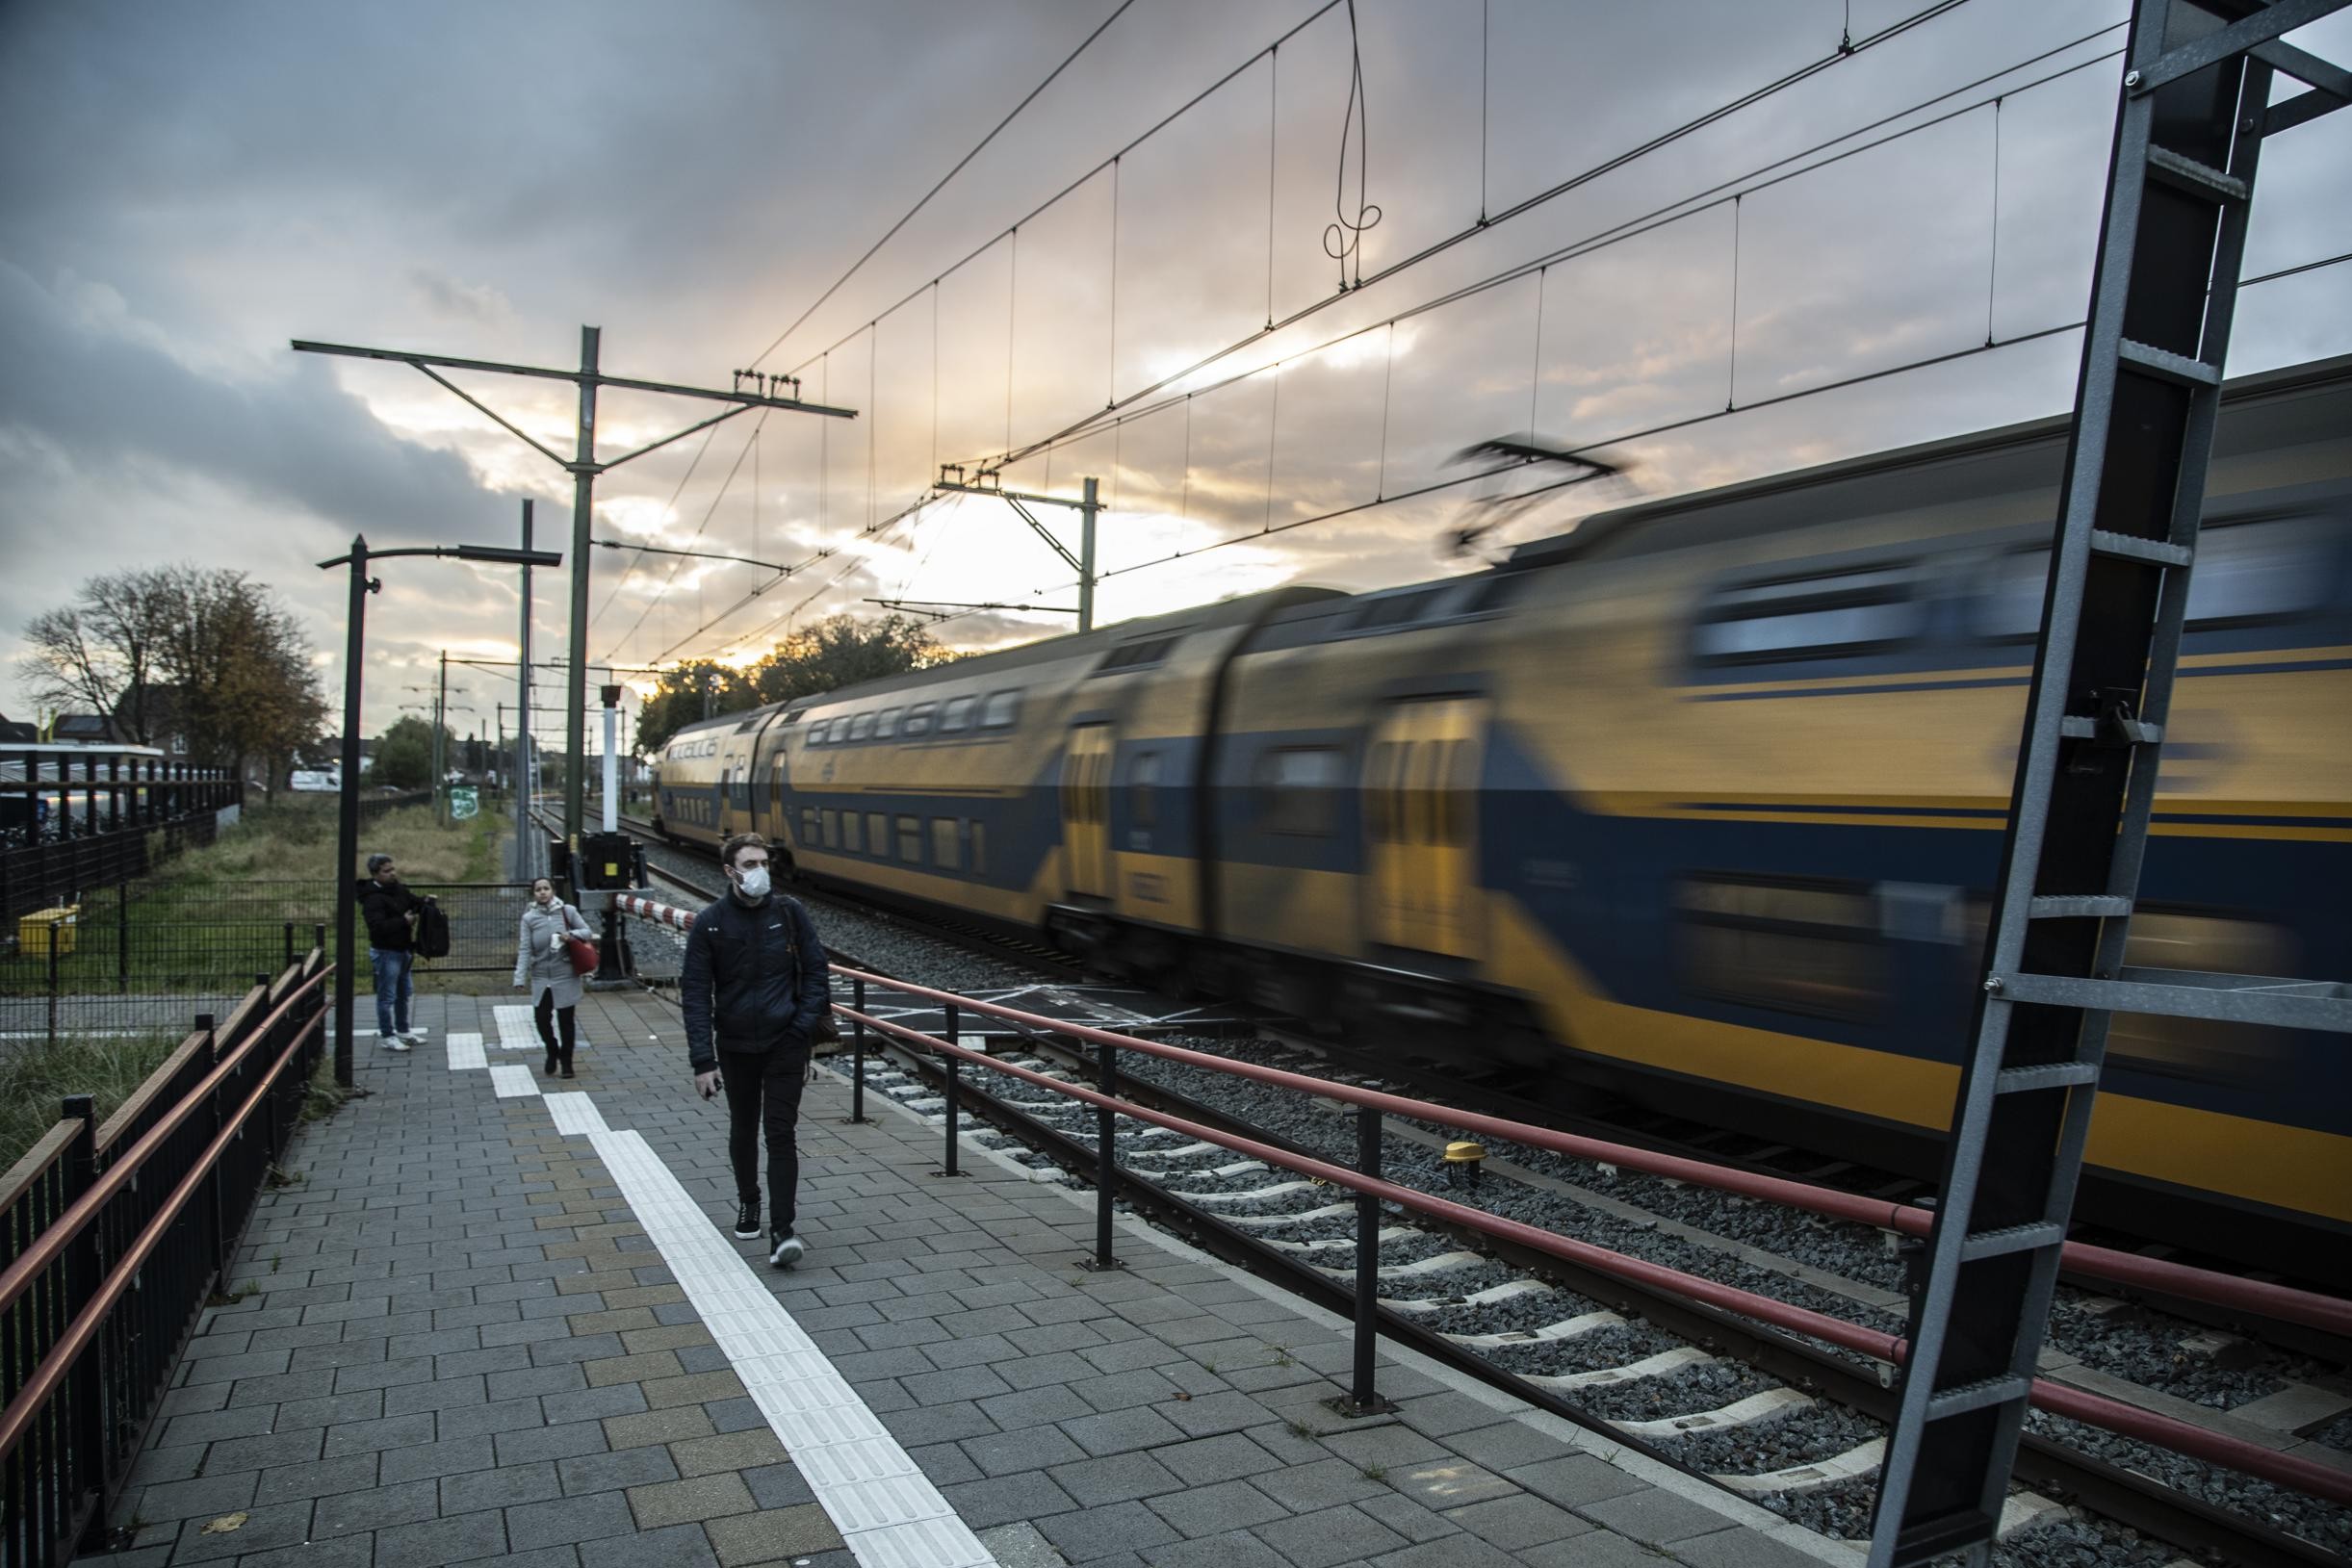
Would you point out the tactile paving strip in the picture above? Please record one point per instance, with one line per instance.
(515, 1030)
(465, 1051)
(512, 1082)
(888, 1514)
(886, 1508)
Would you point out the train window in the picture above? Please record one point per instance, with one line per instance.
(808, 825)
(1298, 789)
(816, 732)
(1810, 947)
(886, 724)
(1136, 655)
(2008, 608)
(1143, 788)
(829, 826)
(877, 833)
(945, 852)
(1002, 711)
(1396, 609)
(2242, 1055)
(851, 840)
(2250, 573)
(956, 714)
(918, 719)
(1812, 617)
(862, 728)
(979, 849)
(911, 840)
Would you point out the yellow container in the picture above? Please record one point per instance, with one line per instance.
(34, 931)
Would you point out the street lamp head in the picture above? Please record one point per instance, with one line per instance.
(510, 556)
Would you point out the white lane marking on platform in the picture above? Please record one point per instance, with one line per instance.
(512, 1082)
(887, 1511)
(574, 1113)
(465, 1051)
(515, 1030)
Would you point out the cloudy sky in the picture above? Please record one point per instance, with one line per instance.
(188, 188)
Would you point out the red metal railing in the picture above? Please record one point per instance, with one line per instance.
(109, 1272)
(2093, 1409)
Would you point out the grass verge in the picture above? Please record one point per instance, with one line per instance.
(35, 1077)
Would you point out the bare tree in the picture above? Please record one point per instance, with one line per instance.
(102, 651)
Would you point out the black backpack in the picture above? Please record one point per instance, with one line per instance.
(432, 932)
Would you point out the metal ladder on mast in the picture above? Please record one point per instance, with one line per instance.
(2195, 110)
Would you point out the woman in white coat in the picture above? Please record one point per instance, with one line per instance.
(543, 965)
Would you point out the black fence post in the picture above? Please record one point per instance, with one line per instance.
(215, 1199)
(84, 1449)
(122, 936)
(1363, 1400)
(951, 1029)
(856, 1052)
(318, 935)
(1106, 1167)
(290, 945)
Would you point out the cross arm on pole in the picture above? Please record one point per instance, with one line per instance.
(697, 555)
(1030, 518)
(678, 435)
(2247, 34)
(510, 427)
(744, 400)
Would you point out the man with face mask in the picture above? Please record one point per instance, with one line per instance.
(754, 977)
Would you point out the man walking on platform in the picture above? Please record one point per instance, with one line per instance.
(755, 976)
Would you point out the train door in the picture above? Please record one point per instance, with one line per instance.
(1086, 812)
(1420, 825)
(722, 803)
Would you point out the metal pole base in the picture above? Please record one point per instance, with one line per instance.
(1347, 1405)
(1103, 1266)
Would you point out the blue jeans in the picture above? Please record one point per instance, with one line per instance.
(392, 989)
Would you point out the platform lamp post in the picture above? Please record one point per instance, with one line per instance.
(347, 830)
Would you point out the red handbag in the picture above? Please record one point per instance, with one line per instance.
(584, 957)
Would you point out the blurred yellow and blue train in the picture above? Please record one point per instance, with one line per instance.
(1700, 802)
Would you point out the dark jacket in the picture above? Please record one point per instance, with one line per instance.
(756, 975)
(386, 912)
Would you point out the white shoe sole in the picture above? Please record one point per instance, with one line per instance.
(788, 1253)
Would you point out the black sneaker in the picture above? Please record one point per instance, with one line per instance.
(787, 1250)
(747, 1222)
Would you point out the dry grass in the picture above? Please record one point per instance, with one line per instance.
(35, 1077)
(295, 841)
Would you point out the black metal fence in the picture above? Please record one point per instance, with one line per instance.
(117, 1235)
(130, 961)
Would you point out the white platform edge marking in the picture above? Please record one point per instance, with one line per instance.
(887, 1512)
(515, 1030)
(512, 1082)
(576, 1114)
(465, 1051)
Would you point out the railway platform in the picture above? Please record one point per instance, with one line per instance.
(493, 1315)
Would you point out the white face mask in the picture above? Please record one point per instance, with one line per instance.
(754, 881)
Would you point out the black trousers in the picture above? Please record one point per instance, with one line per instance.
(764, 1095)
(565, 1015)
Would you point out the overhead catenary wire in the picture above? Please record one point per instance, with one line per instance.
(1527, 204)
(1684, 207)
(909, 216)
(1763, 176)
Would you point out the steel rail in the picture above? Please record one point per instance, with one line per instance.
(2282, 1301)
(2091, 1410)
(119, 1277)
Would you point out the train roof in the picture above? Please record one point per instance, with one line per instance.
(2281, 407)
(1238, 611)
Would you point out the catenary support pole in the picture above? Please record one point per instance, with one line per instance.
(524, 782)
(576, 668)
(1087, 512)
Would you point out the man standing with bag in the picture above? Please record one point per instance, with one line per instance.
(755, 975)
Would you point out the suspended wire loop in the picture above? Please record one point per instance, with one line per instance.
(1343, 241)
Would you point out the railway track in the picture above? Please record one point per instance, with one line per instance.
(1782, 1421)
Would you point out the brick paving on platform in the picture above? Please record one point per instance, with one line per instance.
(452, 1338)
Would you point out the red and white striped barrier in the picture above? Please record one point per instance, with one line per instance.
(649, 909)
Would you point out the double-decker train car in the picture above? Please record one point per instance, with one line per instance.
(1700, 802)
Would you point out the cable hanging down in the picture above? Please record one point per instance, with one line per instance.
(1344, 239)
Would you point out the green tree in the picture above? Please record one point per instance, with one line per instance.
(405, 754)
(838, 652)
